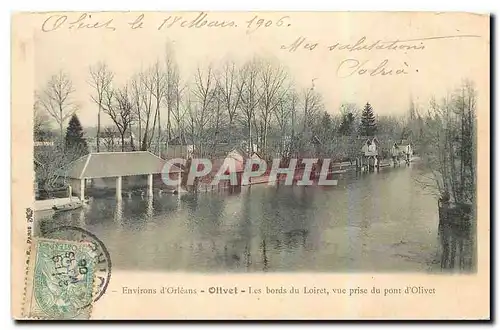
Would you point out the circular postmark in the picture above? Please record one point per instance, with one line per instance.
(103, 258)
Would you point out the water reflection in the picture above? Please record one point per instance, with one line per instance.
(457, 248)
(383, 222)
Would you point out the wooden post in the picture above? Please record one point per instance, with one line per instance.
(119, 187)
(150, 184)
(82, 189)
(179, 178)
(149, 210)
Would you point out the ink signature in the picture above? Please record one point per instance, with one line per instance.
(352, 67)
(85, 21)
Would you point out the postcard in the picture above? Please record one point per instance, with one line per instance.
(250, 165)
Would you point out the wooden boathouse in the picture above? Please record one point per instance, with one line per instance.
(110, 169)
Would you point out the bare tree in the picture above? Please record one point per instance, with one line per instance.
(173, 91)
(449, 146)
(204, 97)
(192, 117)
(231, 89)
(312, 103)
(350, 108)
(250, 97)
(273, 87)
(136, 95)
(217, 115)
(53, 162)
(179, 111)
(285, 115)
(57, 99)
(100, 80)
(155, 81)
(41, 122)
(108, 136)
(118, 107)
(143, 87)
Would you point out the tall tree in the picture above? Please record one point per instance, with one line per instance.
(347, 125)
(250, 98)
(41, 124)
(368, 125)
(108, 137)
(179, 112)
(312, 104)
(100, 80)
(155, 80)
(118, 106)
(448, 146)
(76, 145)
(273, 87)
(173, 92)
(325, 129)
(285, 118)
(324, 132)
(349, 112)
(57, 99)
(231, 89)
(202, 104)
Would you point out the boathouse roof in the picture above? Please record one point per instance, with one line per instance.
(113, 164)
(236, 155)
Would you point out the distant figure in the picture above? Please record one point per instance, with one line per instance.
(408, 153)
(395, 154)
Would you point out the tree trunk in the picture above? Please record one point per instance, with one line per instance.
(132, 146)
(264, 138)
(169, 126)
(159, 129)
(140, 126)
(61, 123)
(98, 128)
(154, 126)
(144, 144)
(250, 136)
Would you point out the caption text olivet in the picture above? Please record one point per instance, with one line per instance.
(282, 290)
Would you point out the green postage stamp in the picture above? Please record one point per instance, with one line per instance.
(59, 280)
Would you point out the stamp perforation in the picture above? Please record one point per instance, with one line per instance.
(30, 264)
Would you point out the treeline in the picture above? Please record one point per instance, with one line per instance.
(257, 102)
(449, 146)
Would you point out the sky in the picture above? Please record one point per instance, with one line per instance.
(428, 54)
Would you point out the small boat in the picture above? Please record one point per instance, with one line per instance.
(339, 171)
(68, 206)
(384, 164)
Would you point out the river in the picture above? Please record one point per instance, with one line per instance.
(373, 222)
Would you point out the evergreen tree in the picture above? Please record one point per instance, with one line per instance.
(325, 129)
(346, 126)
(368, 125)
(76, 145)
